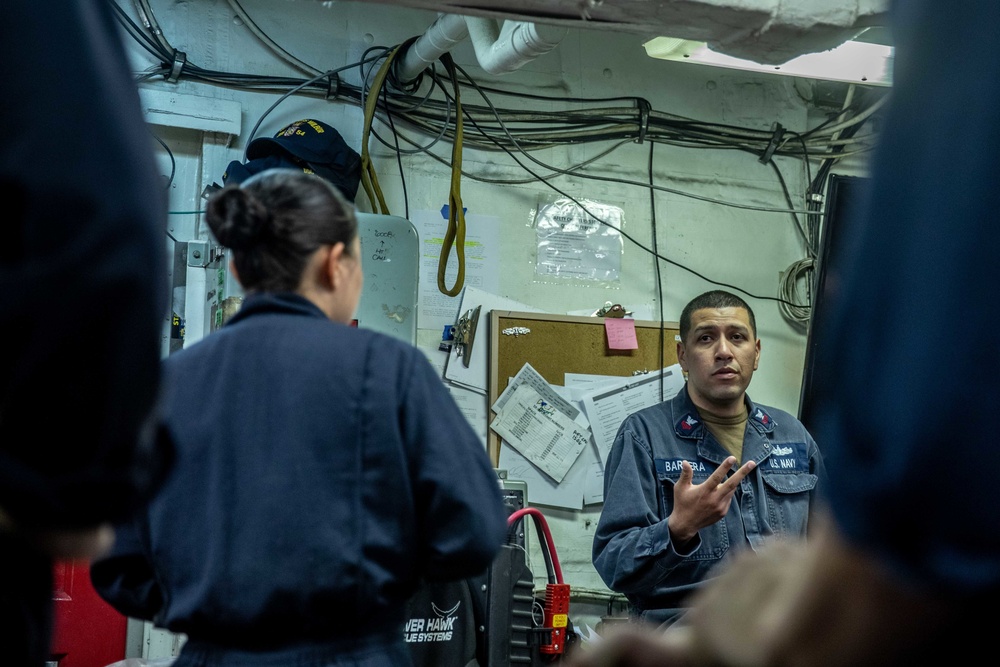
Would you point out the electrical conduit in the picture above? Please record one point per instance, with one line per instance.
(498, 50)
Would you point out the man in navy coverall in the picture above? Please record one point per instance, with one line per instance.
(909, 567)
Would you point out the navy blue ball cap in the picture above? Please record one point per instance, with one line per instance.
(315, 147)
(236, 173)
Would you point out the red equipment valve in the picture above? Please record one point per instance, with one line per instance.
(556, 617)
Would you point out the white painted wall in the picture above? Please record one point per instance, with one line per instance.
(745, 248)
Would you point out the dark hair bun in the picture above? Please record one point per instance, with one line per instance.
(236, 217)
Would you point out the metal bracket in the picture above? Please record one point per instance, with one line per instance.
(201, 253)
(465, 333)
(198, 253)
(611, 310)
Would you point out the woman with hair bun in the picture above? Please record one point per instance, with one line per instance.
(323, 471)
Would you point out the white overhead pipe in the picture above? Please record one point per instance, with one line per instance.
(513, 46)
(443, 35)
(498, 50)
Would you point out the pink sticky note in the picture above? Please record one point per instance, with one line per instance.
(621, 333)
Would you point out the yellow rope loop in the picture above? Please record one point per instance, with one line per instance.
(369, 179)
(455, 234)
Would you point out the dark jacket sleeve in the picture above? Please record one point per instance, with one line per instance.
(125, 576)
(632, 549)
(894, 420)
(459, 504)
(81, 271)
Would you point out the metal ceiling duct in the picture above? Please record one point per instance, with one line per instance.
(764, 31)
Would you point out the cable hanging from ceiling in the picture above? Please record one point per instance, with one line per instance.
(427, 107)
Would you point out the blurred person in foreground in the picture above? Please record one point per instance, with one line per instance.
(909, 563)
(323, 470)
(83, 284)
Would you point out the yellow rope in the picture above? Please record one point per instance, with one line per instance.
(455, 233)
(369, 179)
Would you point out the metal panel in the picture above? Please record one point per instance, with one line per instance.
(390, 256)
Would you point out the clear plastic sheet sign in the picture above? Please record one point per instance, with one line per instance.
(579, 239)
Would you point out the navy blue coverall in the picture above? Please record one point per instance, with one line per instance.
(322, 472)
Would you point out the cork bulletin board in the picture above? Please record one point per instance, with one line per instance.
(558, 344)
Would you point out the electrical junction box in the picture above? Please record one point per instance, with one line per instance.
(515, 497)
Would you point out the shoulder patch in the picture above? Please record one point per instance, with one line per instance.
(688, 424)
(760, 416)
